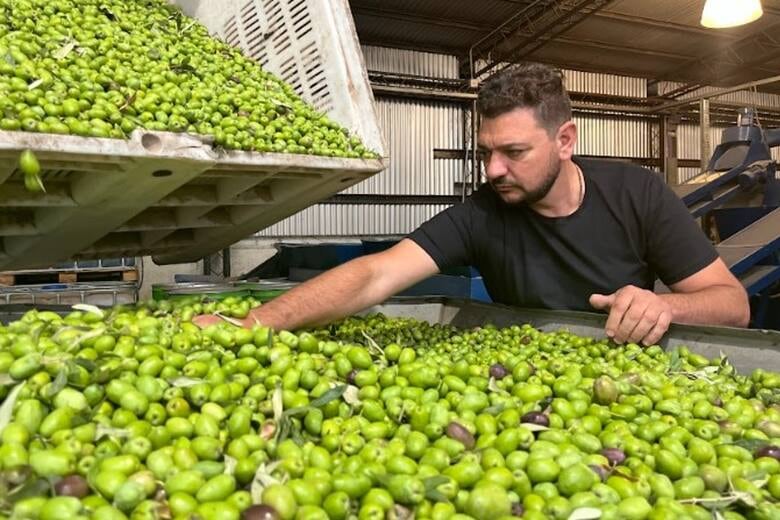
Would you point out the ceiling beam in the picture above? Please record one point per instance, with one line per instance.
(657, 24)
(416, 18)
(612, 47)
(546, 28)
(745, 53)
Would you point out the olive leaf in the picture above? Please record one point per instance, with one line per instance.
(435, 495)
(435, 481)
(535, 427)
(230, 465)
(34, 487)
(107, 431)
(331, 395)
(6, 380)
(228, 319)
(723, 500)
(184, 382)
(373, 346)
(35, 84)
(277, 403)
(495, 410)
(262, 480)
(7, 408)
(351, 395)
(66, 49)
(585, 513)
(86, 364)
(675, 362)
(752, 445)
(58, 384)
(92, 309)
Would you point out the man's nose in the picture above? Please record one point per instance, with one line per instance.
(494, 167)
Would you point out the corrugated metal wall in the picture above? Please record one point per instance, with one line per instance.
(593, 83)
(401, 61)
(613, 136)
(414, 128)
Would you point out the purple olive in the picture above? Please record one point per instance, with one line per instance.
(351, 376)
(260, 512)
(72, 486)
(498, 371)
(525, 340)
(601, 471)
(717, 402)
(517, 509)
(461, 434)
(615, 456)
(769, 451)
(535, 418)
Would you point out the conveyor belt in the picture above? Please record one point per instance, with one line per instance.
(703, 197)
(759, 277)
(746, 248)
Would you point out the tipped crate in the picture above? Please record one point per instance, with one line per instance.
(174, 196)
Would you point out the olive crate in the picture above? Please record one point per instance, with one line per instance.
(176, 197)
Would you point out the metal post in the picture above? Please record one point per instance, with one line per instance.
(669, 158)
(466, 151)
(475, 167)
(207, 265)
(704, 133)
(226, 262)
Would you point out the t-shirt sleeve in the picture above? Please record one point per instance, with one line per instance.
(676, 247)
(447, 236)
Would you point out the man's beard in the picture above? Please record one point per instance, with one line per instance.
(541, 191)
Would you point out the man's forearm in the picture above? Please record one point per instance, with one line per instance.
(716, 305)
(337, 293)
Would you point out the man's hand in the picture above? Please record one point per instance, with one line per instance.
(206, 320)
(635, 315)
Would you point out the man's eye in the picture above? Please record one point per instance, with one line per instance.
(483, 155)
(515, 154)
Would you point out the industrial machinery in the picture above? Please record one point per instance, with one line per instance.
(740, 195)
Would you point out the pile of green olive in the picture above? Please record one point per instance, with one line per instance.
(134, 412)
(103, 68)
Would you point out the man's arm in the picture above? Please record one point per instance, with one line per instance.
(712, 296)
(346, 289)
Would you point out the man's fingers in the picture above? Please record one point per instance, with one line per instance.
(644, 326)
(206, 320)
(631, 318)
(601, 301)
(658, 330)
(617, 311)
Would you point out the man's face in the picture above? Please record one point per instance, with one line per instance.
(521, 159)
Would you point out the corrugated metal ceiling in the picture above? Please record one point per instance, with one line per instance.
(659, 39)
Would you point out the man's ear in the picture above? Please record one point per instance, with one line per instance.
(566, 139)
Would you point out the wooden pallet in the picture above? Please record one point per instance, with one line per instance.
(42, 276)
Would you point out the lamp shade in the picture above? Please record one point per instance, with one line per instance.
(718, 14)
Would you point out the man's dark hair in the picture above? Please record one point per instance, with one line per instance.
(527, 85)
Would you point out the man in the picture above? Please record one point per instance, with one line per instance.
(548, 230)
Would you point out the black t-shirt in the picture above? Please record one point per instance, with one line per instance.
(630, 229)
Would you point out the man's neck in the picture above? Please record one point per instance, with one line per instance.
(566, 195)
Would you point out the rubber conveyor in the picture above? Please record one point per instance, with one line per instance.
(749, 253)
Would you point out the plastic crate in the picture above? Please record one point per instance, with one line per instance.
(173, 196)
